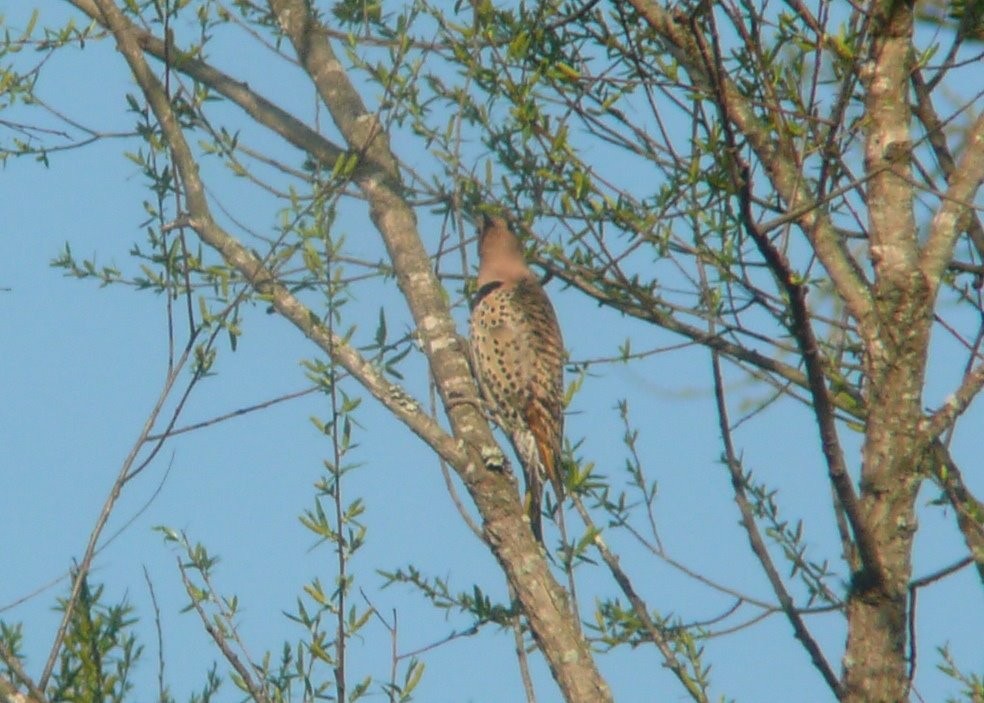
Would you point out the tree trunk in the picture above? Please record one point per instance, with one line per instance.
(876, 661)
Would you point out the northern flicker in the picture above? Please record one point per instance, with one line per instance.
(518, 354)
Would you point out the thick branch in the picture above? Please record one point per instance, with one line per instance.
(526, 568)
(954, 212)
(937, 139)
(360, 127)
(888, 148)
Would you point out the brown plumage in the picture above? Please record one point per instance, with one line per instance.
(519, 359)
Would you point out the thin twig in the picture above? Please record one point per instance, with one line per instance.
(639, 607)
(161, 689)
(239, 412)
(255, 691)
(341, 548)
(124, 473)
(755, 538)
(914, 586)
(516, 625)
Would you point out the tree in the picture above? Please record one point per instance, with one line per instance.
(793, 188)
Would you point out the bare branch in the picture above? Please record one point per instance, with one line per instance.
(756, 542)
(639, 608)
(91, 548)
(238, 412)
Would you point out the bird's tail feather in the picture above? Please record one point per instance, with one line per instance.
(528, 452)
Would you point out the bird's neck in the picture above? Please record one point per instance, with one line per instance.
(507, 272)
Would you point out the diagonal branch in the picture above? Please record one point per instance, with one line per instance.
(124, 475)
(969, 510)
(261, 278)
(823, 408)
(8, 691)
(849, 401)
(360, 128)
(251, 267)
(956, 404)
(755, 538)
(655, 632)
(256, 106)
(216, 631)
(934, 127)
(802, 331)
(954, 213)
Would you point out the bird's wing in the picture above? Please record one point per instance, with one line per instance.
(543, 369)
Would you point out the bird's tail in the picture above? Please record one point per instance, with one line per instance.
(533, 503)
(536, 469)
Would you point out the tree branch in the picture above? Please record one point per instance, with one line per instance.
(956, 404)
(215, 631)
(755, 538)
(954, 213)
(934, 127)
(261, 278)
(259, 108)
(969, 511)
(115, 491)
(525, 564)
(802, 331)
(580, 278)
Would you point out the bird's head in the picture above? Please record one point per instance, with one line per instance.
(500, 253)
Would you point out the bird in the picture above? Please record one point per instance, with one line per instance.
(518, 354)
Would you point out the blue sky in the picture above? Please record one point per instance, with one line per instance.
(82, 367)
